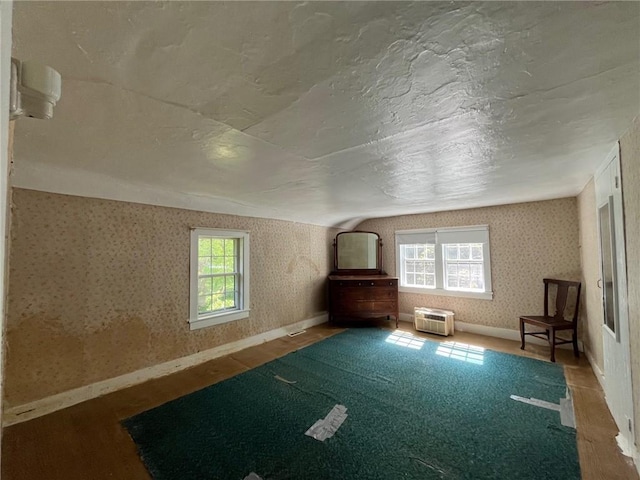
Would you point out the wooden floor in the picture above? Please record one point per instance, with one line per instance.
(87, 442)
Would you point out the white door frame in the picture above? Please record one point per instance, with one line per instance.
(616, 345)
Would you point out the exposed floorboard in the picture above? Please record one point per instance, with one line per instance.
(86, 441)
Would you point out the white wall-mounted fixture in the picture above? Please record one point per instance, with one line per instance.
(433, 320)
(35, 89)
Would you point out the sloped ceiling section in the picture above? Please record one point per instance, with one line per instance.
(327, 112)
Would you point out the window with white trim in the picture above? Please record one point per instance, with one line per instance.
(219, 290)
(445, 261)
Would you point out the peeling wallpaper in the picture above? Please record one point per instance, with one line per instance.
(529, 241)
(100, 288)
(630, 163)
(591, 305)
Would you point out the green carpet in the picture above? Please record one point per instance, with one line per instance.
(427, 412)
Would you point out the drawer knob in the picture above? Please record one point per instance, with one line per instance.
(371, 283)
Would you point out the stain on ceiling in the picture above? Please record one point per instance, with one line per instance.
(327, 112)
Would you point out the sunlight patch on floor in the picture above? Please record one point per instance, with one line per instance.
(461, 351)
(405, 339)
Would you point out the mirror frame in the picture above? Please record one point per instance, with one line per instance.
(360, 271)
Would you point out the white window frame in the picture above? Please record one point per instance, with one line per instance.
(197, 320)
(442, 236)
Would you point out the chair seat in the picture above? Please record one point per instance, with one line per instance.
(542, 321)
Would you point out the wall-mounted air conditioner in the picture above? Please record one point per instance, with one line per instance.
(433, 320)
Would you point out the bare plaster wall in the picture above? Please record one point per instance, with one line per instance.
(529, 241)
(100, 288)
(591, 309)
(630, 163)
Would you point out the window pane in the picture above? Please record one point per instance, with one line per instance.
(477, 276)
(230, 283)
(465, 252)
(430, 281)
(230, 264)
(218, 301)
(431, 252)
(476, 252)
(411, 279)
(230, 247)
(452, 281)
(452, 269)
(218, 285)
(420, 279)
(430, 267)
(203, 303)
(451, 252)
(217, 247)
(204, 286)
(204, 247)
(477, 282)
(204, 266)
(409, 252)
(463, 276)
(230, 300)
(419, 267)
(477, 269)
(421, 251)
(218, 265)
(410, 267)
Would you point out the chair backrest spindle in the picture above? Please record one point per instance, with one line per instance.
(546, 297)
(562, 296)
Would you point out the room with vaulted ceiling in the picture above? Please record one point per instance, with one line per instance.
(298, 240)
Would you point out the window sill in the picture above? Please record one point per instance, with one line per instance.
(447, 293)
(217, 319)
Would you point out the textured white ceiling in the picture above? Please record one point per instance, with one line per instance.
(327, 112)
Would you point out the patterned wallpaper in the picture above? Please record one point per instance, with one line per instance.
(529, 241)
(91, 277)
(630, 163)
(591, 312)
(100, 288)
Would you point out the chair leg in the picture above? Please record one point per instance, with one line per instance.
(522, 334)
(552, 343)
(576, 352)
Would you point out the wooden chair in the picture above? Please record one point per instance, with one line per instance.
(556, 322)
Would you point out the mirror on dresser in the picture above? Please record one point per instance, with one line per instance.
(359, 289)
(357, 252)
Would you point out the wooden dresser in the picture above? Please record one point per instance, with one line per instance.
(363, 297)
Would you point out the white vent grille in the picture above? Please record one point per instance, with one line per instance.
(433, 320)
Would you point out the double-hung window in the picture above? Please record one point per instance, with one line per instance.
(219, 277)
(445, 261)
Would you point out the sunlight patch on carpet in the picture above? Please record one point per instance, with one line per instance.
(461, 351)
(405, 339)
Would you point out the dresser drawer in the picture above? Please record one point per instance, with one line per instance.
(366, 309)
(364, 293)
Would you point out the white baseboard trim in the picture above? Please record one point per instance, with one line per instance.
(497, 332)
(38, 408)
(596, 369)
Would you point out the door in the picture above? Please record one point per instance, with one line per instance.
(613, 284)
